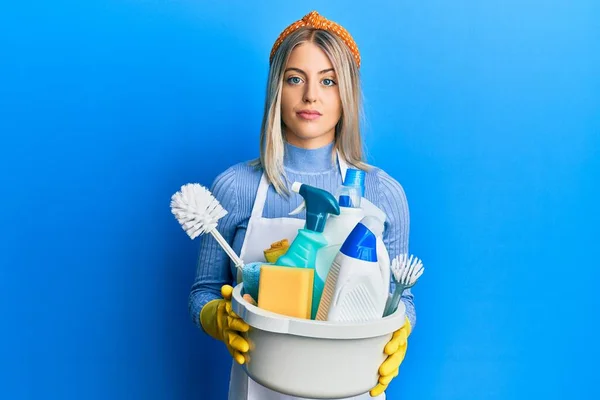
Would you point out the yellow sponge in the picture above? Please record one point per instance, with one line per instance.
(286, 290)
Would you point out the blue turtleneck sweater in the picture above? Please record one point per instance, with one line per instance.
(236, 189)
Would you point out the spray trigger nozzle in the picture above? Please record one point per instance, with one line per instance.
(318, 204)
(296, 189)
(299, 209)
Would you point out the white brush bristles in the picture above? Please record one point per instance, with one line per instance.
(196, 209)
(406, 270)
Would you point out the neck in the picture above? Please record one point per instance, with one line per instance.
(310, 143)
(308, 160)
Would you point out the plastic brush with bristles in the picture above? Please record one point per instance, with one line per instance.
(405, 272)
(198, 212)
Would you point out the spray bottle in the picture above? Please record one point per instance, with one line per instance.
(303, 251)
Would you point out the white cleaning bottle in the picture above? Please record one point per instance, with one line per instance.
(338, 227)
(354, 289)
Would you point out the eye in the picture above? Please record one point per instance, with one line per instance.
(294, 80)
(328, 82)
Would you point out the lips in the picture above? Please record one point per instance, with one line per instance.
(308, 114)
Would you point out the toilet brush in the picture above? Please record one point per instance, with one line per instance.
(198, 212)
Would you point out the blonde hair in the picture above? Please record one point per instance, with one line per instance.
(348, 139)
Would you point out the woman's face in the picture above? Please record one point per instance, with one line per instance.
(310, 98)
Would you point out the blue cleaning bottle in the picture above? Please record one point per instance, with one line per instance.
(353, 188)
(302, 253)
(339, 226)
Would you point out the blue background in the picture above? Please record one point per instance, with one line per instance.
(487, 112)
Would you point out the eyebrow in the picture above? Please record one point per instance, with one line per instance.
(302, 72)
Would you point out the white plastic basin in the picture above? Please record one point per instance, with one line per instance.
(314, 359)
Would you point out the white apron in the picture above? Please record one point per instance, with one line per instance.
(261, 232)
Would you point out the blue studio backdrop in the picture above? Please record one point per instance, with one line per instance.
(488, 113)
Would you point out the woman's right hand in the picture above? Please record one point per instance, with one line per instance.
(219, 321)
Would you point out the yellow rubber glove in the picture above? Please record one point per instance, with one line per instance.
(220, 322)
(395, 350)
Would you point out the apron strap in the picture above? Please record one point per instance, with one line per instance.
(343, 165)
(261, 197)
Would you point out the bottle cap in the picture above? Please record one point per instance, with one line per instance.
(355, 177)
(361, 244)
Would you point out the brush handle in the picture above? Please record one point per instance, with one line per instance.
(237, 261)
(392, 304)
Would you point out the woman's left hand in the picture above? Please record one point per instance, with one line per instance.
(395, 350)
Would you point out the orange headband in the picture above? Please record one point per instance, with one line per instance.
(314, 20)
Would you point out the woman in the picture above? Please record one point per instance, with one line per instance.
(310, 134)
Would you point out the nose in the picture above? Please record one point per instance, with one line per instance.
(310, 92)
